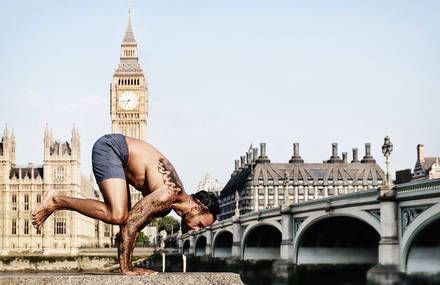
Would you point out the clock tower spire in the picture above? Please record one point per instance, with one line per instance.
(128, 90)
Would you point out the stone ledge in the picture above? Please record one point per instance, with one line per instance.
(190, 278)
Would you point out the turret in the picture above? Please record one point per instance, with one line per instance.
(7, 154)
(296, 158)
(5, 131)
(263, 157)
(420, 153)
(12, 149)
(248, 158)
(75, 143)
(242, 161)
(355, 155)
(335, 157)
(368, 158)
(254, 154)
(7, 146)
(236, 167)
(48, 141)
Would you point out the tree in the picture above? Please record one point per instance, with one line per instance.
(142, 240)
(167, 223)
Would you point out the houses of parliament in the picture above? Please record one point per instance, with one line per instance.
(22, 188)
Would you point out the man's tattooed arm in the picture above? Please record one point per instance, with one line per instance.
(153, 205)
(169, 174)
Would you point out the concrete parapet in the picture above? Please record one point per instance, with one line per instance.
(105, 279)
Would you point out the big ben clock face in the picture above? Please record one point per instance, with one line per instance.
(128, 100)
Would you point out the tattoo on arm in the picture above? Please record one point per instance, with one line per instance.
(169, 175)
(142, 213)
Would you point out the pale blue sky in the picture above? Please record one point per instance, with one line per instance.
(224, 74)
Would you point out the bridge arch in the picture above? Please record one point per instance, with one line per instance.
(186, 245)
(262, 241)
(222, 244)
(200, 247)
(420, 244)
(342, 237)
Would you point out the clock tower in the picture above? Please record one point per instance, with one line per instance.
(129, 95)
(128, 91)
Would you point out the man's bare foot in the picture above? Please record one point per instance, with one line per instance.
(44, 209)
(139, 271)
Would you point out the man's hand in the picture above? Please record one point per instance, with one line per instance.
(156, 204)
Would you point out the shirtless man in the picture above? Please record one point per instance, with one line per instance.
(118, 161)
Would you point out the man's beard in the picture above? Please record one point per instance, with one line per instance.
(183, 225)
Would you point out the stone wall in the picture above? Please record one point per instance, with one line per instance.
(57, 263)
(202, 278)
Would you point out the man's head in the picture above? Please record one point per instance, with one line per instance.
(203, 211)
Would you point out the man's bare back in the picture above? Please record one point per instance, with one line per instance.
(147, 169)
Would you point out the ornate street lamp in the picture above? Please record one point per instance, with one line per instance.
(387, 148)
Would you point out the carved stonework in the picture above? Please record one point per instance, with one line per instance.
(243, 229)
(408, 215)
(375, 214)
(297, 223)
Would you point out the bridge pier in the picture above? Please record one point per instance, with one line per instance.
(180, 242)
(208, 250)
(192, 244)
(387, 271)
(236, 238)
(283, 267)
(287, 236)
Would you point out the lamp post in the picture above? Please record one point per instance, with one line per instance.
(387, 271)
(286, 195)
(237, 209)
(387, 148)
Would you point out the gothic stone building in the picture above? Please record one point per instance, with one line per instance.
(261, 184)
(22, 188)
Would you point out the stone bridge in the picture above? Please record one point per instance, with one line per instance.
(400, 229)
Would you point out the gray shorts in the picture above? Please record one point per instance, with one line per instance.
(109, 157)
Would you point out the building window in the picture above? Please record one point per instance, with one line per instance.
(14, 202)
(107, 230)
(59, 226)
(38, 198)
(97, 229)
(60, 172)
(38, 231)
(26, 202)
(14, 226)
(26, 227)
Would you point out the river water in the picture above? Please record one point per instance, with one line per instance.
(264, 272)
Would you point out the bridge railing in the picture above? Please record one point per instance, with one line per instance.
(416, 186)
